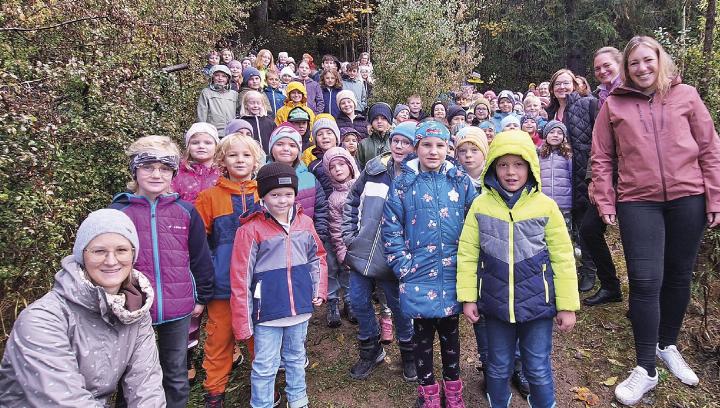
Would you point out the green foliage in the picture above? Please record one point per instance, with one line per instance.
(422, 47)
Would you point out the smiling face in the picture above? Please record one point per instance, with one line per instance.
(512, 172)
(279, 201)
(606, 68)
(239, 162)
(254, 105)
(254, 82)
(220, 78)
(529, 126)
(153, 179)
(431, 152)
(403, 115)
(532, 107)
(285, 151)
(325, 139)
(490, 133)
(236, 70)
(505, 105)
(352, 73)
(563, 86)
(202, 148)
(643, 68)
(555, 137)
(544, 89)
(272, 80)
(481, 112)
(439, 111)
(347, 106)
(108, 260)
(296, 96)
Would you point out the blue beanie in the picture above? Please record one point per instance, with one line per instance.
(486, 124)
(380, 109)
(508, 120)
(431, 128)
(250, 72)
(405, 129)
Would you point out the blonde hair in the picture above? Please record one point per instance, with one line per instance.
(249, 94)
(614, 52)
(530, 98)
(667, 70)
(187, 161)
(258, 60)
(236, 138)
(152, 143)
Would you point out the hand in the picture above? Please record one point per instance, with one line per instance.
(317, 301)
(197, 310)
(609, 219)
(713, 219)
(565, 320)
(591, 192)
(470, 311)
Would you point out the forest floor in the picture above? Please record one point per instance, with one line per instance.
(587, 363)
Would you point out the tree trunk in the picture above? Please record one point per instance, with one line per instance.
(708, 44)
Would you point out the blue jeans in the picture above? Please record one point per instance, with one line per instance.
(535, 347)
(172, 341)
(272, 344)
(482, 342)
(361, 288)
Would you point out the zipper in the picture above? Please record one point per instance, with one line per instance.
(657, 149)
(482, 267)
(511, 269)
(156, 260)
(552, 175)
(439, 227)
(288, 261)
(547, 287)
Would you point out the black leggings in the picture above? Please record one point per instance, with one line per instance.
(424, 337)
(661, 241)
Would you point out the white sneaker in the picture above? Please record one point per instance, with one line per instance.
(677, 365)
(631, 391)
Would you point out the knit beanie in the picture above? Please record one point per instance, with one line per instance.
(508, 120)
(474, 135)
(406, 130)
(326, 121)
(344, 131)
(482, 101)
(527, 118)
(507, 94)
(490, 95)
(202, 127)
(486, 124)
(234, 64)
(276, 175)
(250, 72)
(431, 128)
(552, 125)
(236, 124)
(287, 71)
(380, 109)
(285, 130)
(399, 108)
(298, 114)
(346, 94)
(104, 221)
(455, 110)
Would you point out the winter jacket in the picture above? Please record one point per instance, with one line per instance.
(192, 178)
(220, 208)
(336, 199)
(173, 254)
(362, 217)
(262, 127)
(281, 116)
(374, 145)
(276, 97)
(664, 147)
(423, 218)
(359, 123)
(314, 95)
(520, 260)
(76, 344)
(556, 175)
(274, 273)
(217, 108)
(579, 118)
(311, 197)
(330, 99)
(358, 88)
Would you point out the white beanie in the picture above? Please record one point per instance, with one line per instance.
(347, 94)
(287, 71)
(201, 127)
(106, 220)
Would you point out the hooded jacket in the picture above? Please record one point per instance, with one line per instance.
(281, 116)
(220, 208)
(374, 145)
(423, 217)
(314, 94)
(217, 108)
(262, 128)
(173, 253)
(274, 273)
(516, 262)
(336, 199)
(76, 344)
(192, 178)
(664, 147)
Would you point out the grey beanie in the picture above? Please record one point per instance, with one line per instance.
(104, 221)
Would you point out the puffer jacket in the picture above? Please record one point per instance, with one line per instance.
(281, 116)
(359, 123)
(664, 148)
(314, 94)
(217, 108)
(192, 178)
(76, 344)
(173, 253)
(556, 175)
(374, 145)
(311, 197)
(336, 199)
(220, 208)
(422, 220)
(362, 218)
(520, 260)
(274, 273)
(262, 128)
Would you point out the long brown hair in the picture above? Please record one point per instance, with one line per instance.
(553, 100)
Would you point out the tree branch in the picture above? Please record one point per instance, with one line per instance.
(64, 23)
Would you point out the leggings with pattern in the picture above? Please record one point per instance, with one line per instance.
(447, 329)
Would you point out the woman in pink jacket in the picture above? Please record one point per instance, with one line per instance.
(660, 135)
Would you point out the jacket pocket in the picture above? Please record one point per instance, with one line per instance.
(481, 270)
(545, 282)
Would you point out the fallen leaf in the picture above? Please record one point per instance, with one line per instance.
(585, 395)
(610, 381)
(315, 364)
(615, 362)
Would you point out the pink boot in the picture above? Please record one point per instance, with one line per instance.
(428, 396)
(453, 394)
(386, 329)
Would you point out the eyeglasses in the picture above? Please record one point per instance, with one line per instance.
(122, 254)
(562, 84)
(400, 142)
(149, 169)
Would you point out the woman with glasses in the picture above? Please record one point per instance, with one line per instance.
(92, 332)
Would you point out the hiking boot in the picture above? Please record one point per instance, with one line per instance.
(215, 400)
(603, 296)
(677, 365)
(238, 357)
(333, 314)
(453, 394)
(586, 279)
(428, 396)
(631, 391)
(520, 382)
(407, 357)
(371, 355)
(386, 329)
(348, 313)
